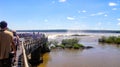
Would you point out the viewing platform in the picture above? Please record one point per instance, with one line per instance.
(31, 49)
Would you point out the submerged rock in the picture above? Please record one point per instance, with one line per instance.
(88, 47)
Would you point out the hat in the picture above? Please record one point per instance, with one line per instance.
(3, 24)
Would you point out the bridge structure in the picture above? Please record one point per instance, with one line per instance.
(31, 49)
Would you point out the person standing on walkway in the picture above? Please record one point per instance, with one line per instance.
(6, 42)
(16, 39)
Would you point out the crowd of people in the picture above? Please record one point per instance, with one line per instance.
(9, 41)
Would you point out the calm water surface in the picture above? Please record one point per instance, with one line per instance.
(102, 55)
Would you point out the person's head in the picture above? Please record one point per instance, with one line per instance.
(3, 24)
(14, 33)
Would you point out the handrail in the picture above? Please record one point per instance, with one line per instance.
(28, 46)
(24, 56)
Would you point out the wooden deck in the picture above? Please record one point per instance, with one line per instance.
(18, 62)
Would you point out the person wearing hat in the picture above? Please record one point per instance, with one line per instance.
(6, 42)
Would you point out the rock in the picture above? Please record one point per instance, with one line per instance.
(88, 47)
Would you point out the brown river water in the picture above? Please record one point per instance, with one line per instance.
(102, 55)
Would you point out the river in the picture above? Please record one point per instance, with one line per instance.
(102, 55)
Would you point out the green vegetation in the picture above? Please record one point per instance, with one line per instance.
(111, 39)
(68, 43)
(71, 43)
(77, 46)
(62, 46)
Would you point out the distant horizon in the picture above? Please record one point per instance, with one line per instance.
(71, 29)
(65, 30)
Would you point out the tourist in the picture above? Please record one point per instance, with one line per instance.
(6, 42)
(16, 39)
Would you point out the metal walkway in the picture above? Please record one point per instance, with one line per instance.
(28, 46)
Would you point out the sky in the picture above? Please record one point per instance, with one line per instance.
(61, 14)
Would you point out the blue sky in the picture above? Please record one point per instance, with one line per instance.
(61, 14)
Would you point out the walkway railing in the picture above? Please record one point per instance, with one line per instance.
(28, 45)
(25, 60)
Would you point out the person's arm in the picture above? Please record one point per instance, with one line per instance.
(17, 39)
(13, 47)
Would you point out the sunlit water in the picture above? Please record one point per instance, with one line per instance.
(102, 55)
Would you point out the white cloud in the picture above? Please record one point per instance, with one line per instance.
(100, 13)
(62, 0)
(118, 19)
(112, 4)
(118, 24)
(105, 15)
(97, 14)
(114, 8)
(45, 20)
(70, 18)
(81, 11)
(84, 11)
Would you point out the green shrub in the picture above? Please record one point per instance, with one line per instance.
(81, 45)
(76, 46)
(102, 39)
(111, 39)
(62, 46)
(70, 41)
(117, 40)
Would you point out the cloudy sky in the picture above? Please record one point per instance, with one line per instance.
(61, 14)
